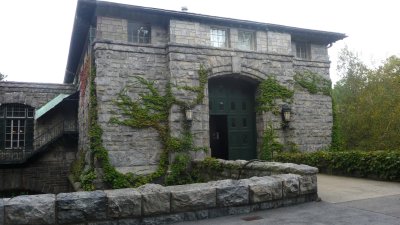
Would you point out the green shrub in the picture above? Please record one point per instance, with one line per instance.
(383, 165)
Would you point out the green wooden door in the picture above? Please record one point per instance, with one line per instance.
(232, 100)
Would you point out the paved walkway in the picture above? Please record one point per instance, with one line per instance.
(347, 201)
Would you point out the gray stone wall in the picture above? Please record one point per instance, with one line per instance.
(46, 173)
(33, 94)
(130, 150)
(279, 43)
(312, 113)
(155, 204)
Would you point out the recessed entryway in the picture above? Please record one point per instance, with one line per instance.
(232, 118)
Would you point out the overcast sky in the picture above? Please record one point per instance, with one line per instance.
(35, 34)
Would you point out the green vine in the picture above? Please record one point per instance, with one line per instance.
(152, 111)
(269, 91)
(313, 82)
(270, 145)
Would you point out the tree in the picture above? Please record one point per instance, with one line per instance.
(367, 103)
(2, 77)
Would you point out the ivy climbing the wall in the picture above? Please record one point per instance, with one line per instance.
(313, 82)
(269, 91)
(151, 110)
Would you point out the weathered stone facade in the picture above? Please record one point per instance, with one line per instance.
(178, 44)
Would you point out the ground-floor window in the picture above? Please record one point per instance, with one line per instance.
(16, 126)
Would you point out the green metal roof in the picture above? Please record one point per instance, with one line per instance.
(51, 104)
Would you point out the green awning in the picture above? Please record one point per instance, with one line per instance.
(50, 105)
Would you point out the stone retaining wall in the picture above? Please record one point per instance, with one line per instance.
(155, 204)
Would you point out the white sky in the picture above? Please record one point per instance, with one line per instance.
(35, 34)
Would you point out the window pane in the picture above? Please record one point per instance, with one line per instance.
(245, 40)
(218, 37)
(139, 32)
(30, 113)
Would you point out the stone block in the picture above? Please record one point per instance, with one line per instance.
(239, 210)
(155, 199)
(104, 223)
(81, 207)
(308, 184)
(218, 212)
(264, 189)
(167, 219)
(290, 184)
(124, 203)
(30, 209)
(231, 192)
(129, 222)
(196, 215)
(192, 197)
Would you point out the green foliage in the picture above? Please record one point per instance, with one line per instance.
(179, 171)
(152, 110)
(87, 180)
(269, 91)
(313, 82)
(337, 138)
(374, 164)
(2, 77)
(270, 145)
(367, 103)
(77, 166)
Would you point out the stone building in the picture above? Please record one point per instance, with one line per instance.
(116, 43)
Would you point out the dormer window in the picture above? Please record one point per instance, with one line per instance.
(302, 50)
(139, 32)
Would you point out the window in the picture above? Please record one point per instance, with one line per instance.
(16, 126)
(139, 32)
(302, 50)
(219, 37)
(246, 40)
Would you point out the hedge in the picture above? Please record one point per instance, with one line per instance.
(383, 165)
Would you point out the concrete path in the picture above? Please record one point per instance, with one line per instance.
(347, 201)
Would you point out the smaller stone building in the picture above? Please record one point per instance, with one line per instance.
(38, 136)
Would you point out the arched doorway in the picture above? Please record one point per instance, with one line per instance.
(232, 118)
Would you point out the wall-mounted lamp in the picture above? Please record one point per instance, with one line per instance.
(286, 114)
(189, 114)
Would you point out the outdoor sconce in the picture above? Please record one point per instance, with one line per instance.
(286, 114)
(189, 114)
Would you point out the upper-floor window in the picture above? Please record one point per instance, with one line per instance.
(219, 37)
(139, 32)
(246, 40)
(302, 50)
(16, 126)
